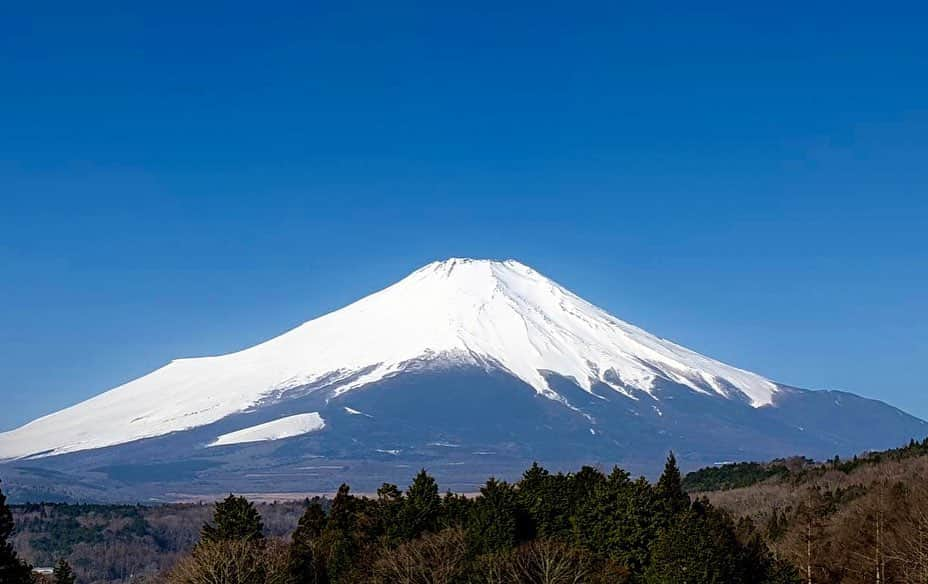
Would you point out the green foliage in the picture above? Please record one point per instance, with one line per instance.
(913, 449)
(65, 534)
(63, 574)
(421, 508)
(619, 521)
(6, 519)
(590, 526)
(341, 538)
(306, 561)
(455, 510)
(493, 524)
(593, 527)
(669, 490)
(777, 524)
(745, 474)
(732, 476)
(545, 497)
(235, 518)
(12, 569)
(701, 547)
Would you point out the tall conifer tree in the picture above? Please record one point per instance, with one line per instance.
(421, 507)
(306, 563)
(340, 536)
(235, 518)
(63, 574)
(12, 569)
(669, 488)
(493, 525)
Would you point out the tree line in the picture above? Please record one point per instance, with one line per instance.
(547, 527)
(861, 520)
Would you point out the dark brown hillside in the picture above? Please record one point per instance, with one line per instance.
(858, 521)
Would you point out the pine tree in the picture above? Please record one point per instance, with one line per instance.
(758, 564)
(669, 489)
(235, 518)
(389, 506)
(306, 563)
(777, 525)
(63, 574)
(584, 483)
(549, 500)
(493, 525)
(12, 569)
(340, 537)
(534, 497)
(618, 521)
(699, 547)
(455, 510)
(421, 507)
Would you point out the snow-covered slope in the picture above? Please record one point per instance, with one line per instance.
(487, 313)
(286, 427)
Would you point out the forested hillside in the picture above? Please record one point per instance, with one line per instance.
(860, 520)
(113, 543)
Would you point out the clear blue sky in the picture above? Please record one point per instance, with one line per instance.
(189, 179)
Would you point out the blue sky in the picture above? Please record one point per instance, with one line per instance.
(190, 178)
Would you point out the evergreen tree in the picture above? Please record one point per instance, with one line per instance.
(388, 508)
(703, 545)
(12, 569)
(549, 501)
(454, 510)
(781, 572)
(535, 498)
(777, 525)
(669, 489)
(235, 518)
(583, 484)
(389, 492)
(306, 563)
(63, 574)
(340, 537)
(619, 521)
(695, 549)
(758, 564)
(421, 507)
(493, 524)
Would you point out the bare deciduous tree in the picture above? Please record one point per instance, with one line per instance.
(435, 558)
(548, 562)
(910, 547)
(233, 562)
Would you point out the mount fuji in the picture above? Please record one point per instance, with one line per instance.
(467, 367)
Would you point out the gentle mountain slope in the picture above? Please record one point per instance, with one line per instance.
(490, 314)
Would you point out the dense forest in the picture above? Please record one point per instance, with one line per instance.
(859, 520)
(577, 527)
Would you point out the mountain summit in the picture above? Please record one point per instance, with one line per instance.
(448, 336)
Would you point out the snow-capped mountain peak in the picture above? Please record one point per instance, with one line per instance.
(500, 314)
